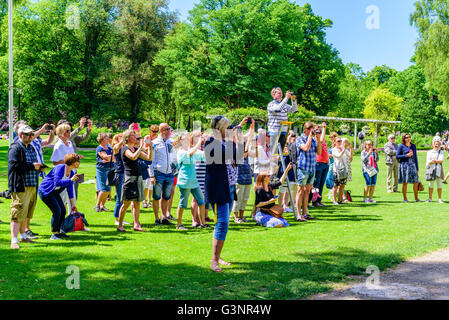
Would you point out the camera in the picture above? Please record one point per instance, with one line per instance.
(292, 93)
(49, 128)
(318, 131)
(250, 120)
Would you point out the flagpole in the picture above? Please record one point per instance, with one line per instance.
(11, 81)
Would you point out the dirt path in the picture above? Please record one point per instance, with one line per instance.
(423, 278)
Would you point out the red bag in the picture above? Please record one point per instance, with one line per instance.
(74, 222)
(348, 195)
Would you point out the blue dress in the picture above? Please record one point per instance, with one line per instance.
(408, 167)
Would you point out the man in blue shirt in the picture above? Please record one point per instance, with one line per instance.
(308, 147)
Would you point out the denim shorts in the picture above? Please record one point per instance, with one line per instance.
(184, 197)
(164, 185)
(102, 178)
(370, 181)
(305, 177)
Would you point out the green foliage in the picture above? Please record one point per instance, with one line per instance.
(381, 104)
(352, 92)
(381, 74)
(420, 108)
(431, 18)
(232, 53)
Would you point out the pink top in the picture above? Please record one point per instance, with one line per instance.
(324, 156)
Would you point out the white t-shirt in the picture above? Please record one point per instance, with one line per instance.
(61, 150)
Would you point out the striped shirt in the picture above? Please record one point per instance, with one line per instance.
(200, 168)
(277, 112)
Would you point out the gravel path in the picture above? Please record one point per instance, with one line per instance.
(423, 278)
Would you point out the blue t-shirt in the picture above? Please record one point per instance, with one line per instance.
(187, 173)
(100, 163)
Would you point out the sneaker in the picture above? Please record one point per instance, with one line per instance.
(336, 203)
(372, 201)
(365, 200)
(205, 226)
(55, 237)
(287, 209)
(97, 208)
(320, 204)
(209, 219)
(440, 201)
(15, 245)
(181, 227)
(244, 219)
(418, 200)
(30, 234)
(406, 201)
(308, 217)
(62, 235)
(166, 222)
(145, 205)
(170, 217)
(105, 209)
(428, 200)
(237, 220)
(158, 222)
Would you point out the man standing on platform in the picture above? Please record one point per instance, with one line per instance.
(277, 112)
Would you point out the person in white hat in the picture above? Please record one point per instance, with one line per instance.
(392, 163)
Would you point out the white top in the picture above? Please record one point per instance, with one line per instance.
(339, 158)
(263, 162)
(435, 155)
(61, 150)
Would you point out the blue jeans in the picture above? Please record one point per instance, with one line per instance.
(184, 197)
(118, 194)
(320, 176)
(102, 178)
(57, 207)
(222, 220)
(232, 192)
(370, 181)
(163, 186)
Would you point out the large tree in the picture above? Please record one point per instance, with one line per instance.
(232, 52)
(431, 18)
(420, 110)
(142, 27)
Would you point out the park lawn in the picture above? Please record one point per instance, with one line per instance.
(163, 263)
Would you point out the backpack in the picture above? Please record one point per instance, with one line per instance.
(74, 222)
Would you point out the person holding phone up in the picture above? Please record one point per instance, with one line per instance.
(59, 179)
(408, 166)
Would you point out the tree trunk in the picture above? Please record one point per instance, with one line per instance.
(134, 99)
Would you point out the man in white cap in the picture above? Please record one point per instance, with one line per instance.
(392, 163)
(23, 180)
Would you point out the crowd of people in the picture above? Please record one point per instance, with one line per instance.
(220, 168)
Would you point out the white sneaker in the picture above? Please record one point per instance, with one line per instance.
(336, 203)
(440, 201)
(365, 200)
(287, 209)
(124, 222)
(428, 200)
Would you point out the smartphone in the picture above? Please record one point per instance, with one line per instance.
(81, 178)
(275, 197)
(44, 166)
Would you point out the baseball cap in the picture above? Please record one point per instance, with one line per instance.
(391, 136)
(26, 129)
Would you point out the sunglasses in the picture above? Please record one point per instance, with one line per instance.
(28, 134)
(339, 140)
(155, 131)
(165, 129)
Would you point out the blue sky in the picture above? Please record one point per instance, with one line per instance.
(393, 43)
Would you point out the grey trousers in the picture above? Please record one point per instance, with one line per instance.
(393, 174)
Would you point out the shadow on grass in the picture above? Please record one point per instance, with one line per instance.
(30, 274)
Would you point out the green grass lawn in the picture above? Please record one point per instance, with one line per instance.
(163, 263)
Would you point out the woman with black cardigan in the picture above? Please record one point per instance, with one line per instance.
(408, 166)
(217, 150)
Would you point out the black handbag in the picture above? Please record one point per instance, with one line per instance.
(131, 190)
(113, 177)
